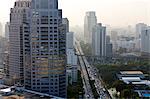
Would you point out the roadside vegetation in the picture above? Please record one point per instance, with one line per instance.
(76, 90)
(124, 90)
(108, 72)
(96, 95)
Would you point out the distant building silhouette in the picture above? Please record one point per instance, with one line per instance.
(99, 40)
(145, 41)
(90, 21)
(1, 29)
(7, 30)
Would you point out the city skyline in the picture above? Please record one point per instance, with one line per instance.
(112, 12)
(75, 49)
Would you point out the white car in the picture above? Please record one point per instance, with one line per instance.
(88, 96)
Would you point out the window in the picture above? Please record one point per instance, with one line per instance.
(55, 4)
(44, 14)
(50, 13)
(55, 14)
(44, 17)
(44, 4)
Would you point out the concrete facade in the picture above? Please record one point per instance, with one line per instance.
(18, 17)
(72, 67)
(145, 41)
(90, 21)
(99, 40)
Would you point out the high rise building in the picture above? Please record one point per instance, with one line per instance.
(114, 35)
(145, 41)
(99, 40)
(70, 40)
(45, 69)
(72, 67)
(18, 19)
(90, 21)
(72, 70)
(7, 30)
(114, 39)
(139, 28)
(6, 63)
(1, 29)
(107, 39)
(109, 47)
(65, 22)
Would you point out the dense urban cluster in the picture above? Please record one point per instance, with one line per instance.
(42, 57)
(113, 50)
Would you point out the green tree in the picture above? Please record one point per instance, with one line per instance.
(119, 85)
(126, 93)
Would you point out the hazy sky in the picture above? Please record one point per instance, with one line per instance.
(113, 12)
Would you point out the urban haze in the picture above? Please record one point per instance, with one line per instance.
(75, 49)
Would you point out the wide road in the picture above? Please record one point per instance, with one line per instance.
(101, 90)
(93, 74)
(87, 87)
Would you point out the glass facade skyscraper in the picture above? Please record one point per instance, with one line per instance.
(47, 71)
(18, 23)
(41, 41)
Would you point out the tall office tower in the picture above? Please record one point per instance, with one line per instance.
(6, 64)
(7, 30)
(107, 39)
(18, 19)
(99, 40)
(65, 22)
(109, 47)
(1, 29)
(114, 36)
(47, 71)
(72, 68)
(139, 28)
(89, 22)
(145, 41)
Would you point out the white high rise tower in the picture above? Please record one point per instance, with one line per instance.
(89, 22)
(99, 40)
(145, 41)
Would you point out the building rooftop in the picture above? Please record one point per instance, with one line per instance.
(131, 78)
(145, 82)
(127, 80)
(130, 72)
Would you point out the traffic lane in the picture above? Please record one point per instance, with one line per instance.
(89, 93)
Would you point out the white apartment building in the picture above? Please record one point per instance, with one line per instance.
(99, 40)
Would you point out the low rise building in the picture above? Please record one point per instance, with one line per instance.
(130, 74)
(137, 79)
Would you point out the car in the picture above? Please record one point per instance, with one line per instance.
(104, 89)
(41, 96)
(96, 86)
(88, 96)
